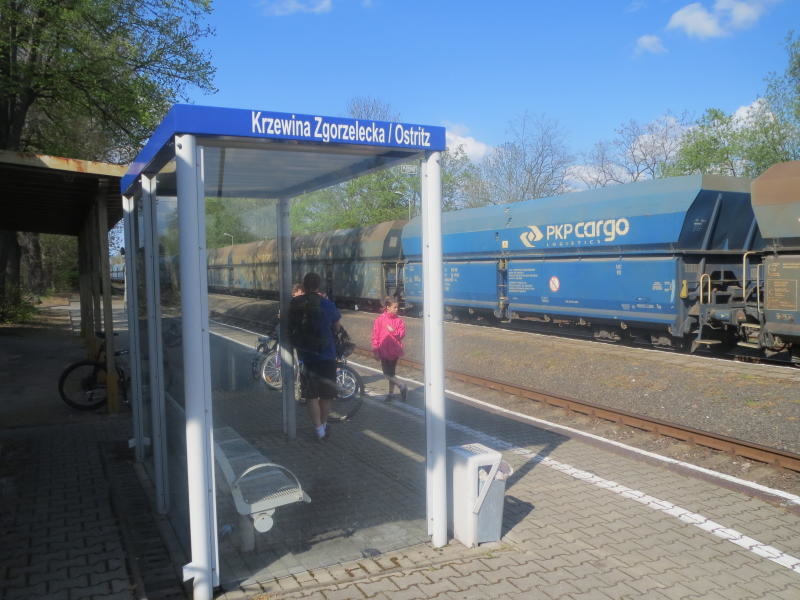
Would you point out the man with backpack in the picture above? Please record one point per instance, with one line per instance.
(313, 321)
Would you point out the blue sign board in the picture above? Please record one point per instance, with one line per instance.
(211, 121)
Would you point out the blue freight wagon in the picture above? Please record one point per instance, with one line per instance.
(615, 258)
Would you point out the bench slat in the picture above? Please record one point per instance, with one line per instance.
(257, 485)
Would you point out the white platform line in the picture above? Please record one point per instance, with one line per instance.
(762, 550)
(788, 497)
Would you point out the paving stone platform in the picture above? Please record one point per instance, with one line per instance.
(580, 522)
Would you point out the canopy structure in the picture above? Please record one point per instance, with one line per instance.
(52, 194)
(67, 196)
(210, 176)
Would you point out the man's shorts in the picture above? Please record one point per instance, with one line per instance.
(389, 367)
(318, 380)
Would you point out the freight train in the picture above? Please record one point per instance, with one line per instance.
(685, 262)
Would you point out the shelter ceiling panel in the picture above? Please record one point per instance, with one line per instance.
(255, 173)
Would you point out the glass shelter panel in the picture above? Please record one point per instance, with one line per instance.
(305, 503)
(169, 332)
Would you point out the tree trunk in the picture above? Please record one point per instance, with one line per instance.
(9, 268)
(32, 271)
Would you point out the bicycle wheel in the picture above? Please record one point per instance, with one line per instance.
(349, 397)
(124, 385)
(83, 385)
(271, 370)
(256, 364)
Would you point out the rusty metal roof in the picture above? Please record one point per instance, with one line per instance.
(51, 194)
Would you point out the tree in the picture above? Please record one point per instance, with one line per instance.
(60, 261)
(91, 79)
(741, 145)
(106, 69)
(364, 107)
(533, 164)
(638, 152)
(783, 97)
(462, 185)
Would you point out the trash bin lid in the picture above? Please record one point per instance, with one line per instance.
(474, 449)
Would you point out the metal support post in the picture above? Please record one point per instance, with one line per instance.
(132, 306)
(287, 354)
(197, 377)
(436, 465)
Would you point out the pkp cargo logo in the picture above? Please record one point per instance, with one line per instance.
(582, 233)
(529, 238)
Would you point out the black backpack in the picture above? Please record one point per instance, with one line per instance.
(344, 346)
(305, 323)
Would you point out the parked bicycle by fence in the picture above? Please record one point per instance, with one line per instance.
(82, 385)
(349, 385)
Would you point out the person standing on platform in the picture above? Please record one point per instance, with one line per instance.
(313, 321)
(388, 332)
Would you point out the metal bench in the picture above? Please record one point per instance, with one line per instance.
(258, 486)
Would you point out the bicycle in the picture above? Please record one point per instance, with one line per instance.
(82, 385)
(349, 384)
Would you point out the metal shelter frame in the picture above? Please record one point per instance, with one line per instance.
(311, 152)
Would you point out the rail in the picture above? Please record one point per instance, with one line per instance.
(741, 448)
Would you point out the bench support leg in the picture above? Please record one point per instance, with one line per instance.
(247, 535)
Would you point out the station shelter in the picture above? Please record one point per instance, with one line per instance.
(210, 177)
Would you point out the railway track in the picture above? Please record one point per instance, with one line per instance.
(718, 442)
(721, 443)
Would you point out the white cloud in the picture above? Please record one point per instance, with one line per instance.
(282, 8)
(745, 116)
(696, 21)
(740, 14)
(726, 16)
(474, 149)
(650, 43)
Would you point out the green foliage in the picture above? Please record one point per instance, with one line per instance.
(383, 196)
(323, 210)
(60, 262)
(462, 185)
(92, 78)
(741, 146)
(239, 220)
(18, 310)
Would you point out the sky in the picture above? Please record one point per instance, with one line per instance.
(474, 67)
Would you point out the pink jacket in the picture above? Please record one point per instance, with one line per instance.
(388, 345)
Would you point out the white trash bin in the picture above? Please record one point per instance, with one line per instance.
(477, 489)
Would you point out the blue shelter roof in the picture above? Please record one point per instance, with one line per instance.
(384, 142)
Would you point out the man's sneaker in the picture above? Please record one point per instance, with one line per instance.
(404, 393)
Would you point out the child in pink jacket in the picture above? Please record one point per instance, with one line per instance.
(388, 332)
